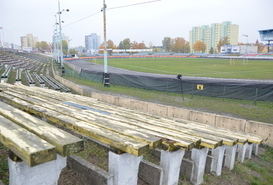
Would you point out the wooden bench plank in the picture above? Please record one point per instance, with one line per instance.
(206, 141)
(152, 140)
(208, 134)
(209, 141)
(112, 125)
(65, 143)
(29, 147)
(113, 139)
(148, 118)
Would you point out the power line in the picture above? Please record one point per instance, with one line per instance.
(133, 4)
(112, 9)
(82, 19)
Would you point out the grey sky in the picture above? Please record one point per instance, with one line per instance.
(149, 22)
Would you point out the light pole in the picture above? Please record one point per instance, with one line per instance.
(106, 76)
(246, 42)
(60, 35)
(56, 41)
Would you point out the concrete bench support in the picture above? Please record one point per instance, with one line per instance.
(230, 156)
(89, 172)
(241, 153)
(150, 173)
(171, 162)
(209, 161)
(199, 157)
(47, 173)
(218, 157)
(255, 149)
(124, 168)
(187, 168)
(249, 147)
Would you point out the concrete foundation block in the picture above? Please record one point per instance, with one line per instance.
(89, 172)
(209, 161)
(150, 173)
(199, 157)
(249, 147)
(218, 157)
(171, 163)
(47, 173)
(187, 168)
(241, 152)
(255, 149)
(124, 168)
(230, 156)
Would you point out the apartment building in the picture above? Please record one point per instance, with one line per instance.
(92, 43)
(211, 35)
(28, 41)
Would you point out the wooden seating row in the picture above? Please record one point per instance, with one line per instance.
(124, 130)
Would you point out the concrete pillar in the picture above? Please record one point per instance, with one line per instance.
(255, 149)
(124, 168)
(171, 162)
(241, 152)
(249, 147)
(199, 158)
(218, 157)
(20, 173)
(230, 156)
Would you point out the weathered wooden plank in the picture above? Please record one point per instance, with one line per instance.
(243, 137)
(29, 147)
(119, 114)
(208, 141)
(190, 131)
(166, 123)
(113, 139)
(65, 143)
(116, 126)
(152, 140)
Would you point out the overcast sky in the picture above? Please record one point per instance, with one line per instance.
(148, 22)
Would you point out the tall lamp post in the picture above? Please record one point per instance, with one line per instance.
(56, 41)
(106, 76)
(60, 36)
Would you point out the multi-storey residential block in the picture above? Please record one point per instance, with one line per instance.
(28, 41)
(211, 35)
(92, 43)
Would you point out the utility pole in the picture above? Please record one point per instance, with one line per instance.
(106, 76)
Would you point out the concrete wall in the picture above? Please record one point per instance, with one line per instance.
(89, 172)
(264, 130)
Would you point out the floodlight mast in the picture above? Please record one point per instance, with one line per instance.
(60, 35)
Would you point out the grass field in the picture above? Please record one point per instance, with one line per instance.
(205, 67)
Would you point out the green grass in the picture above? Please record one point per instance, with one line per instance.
(205, 67)
(4, 175)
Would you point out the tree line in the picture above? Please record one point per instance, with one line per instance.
(176, 45)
